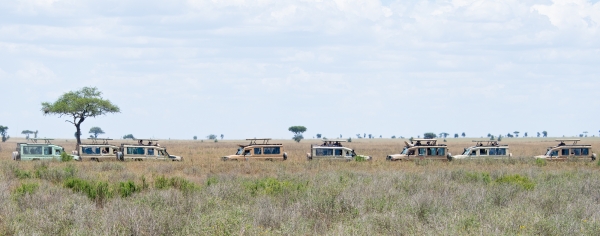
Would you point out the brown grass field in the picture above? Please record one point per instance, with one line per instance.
(206, 196)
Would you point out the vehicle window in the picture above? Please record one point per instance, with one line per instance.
(338, 152)
(160, 152)
(493, 151)
(151, 151)
(474, 153)
(422, 151)
(135, 151)
(324, 152)
(247, 153)
(348, 154)
(555, 153)
(565, 152)
(239, 152)
(57, 151)
(441, 151)
(91, 150)
(483, 152)
(577, 151)
(467, 151)
(585, 151)
(32, 150)
(258, 151)
(432, 151)
(405, 151)
(271, 150)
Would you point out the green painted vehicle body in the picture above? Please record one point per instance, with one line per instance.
(39, 151)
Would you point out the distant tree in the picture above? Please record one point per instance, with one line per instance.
(499, 138)
(349, 140)
(96, 131)
(318, 135)
(35, 134)
(538, 134)
(393, 136)
(370, 136)
(509, 135)
(27, 133)
(492, 137)
(463, 134)
(222, 136)
(516, 133)
(525, 135)
(211, 136)
(298, 131)
(429, 135)
(545, 134)
(358, 136)
(445, 134)
(455, 135)
(489, 135)
(195, 137)
(128, 136)
(585, 132)
(365, 135)
(340, 136)
(380, 136)
(80, 105)
(411, 139)
(3, 130)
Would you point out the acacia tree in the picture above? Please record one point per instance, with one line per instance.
(297, 130)
(27, 133)
(96, 131)
(545, 133)
(3, 130)
(80, 105)
(429, 135)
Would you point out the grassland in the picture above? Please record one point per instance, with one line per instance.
(205, 196)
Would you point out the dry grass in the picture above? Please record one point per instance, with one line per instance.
(301, 197)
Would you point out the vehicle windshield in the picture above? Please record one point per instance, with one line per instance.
(240, 151)
(467, 151)
(405, 151)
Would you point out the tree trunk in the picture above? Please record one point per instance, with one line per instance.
(78, 136)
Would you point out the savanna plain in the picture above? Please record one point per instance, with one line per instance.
(206, 196)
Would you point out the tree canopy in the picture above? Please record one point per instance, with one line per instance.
(96, 131)
(297, 130)
(3, 130)
(429, 135)
(80, 105)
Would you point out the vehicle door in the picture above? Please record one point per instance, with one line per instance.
(474, 153)
(565, 152)
(151, 153)
(483, 152)
(257, 152)
(339, 153)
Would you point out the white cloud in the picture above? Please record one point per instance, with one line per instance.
(571, 14)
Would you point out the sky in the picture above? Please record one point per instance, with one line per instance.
(253, 68)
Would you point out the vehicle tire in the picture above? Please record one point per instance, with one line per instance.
(285, 156)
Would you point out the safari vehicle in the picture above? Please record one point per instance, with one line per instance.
(35, 151)
(333, 150)
(99, 150)
(485, 149)
(258, 149)
(150, 151)
(563, 151)
(419, 149)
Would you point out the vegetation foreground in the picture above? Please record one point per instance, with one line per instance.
(204, 196)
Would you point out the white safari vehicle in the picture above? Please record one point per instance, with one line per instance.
(258, 149)
(334, 150)
(564, 151)
(39, 151)
(99, 150)
(485, 149)
(421, 149)
(149, 151)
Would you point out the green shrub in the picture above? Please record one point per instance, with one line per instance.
(360, 158)
(272, 186)
(128, 188)
(64, 157)
(22, 174)
(25, 188)
(182, 184)
(541, 162)
(96, 191)
(211, 181)
(54, 175)
(518, 180)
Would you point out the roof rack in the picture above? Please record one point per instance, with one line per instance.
(335, 140)
(424, 139)
(253, 141)
(136, 139)
(569, 140)
(46, 140)
(104, 140)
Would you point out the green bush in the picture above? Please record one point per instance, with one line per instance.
(64, 157)
(518, 180)
(128, 188)
(25, 188)
(96, 191)
(272, 186)
(54, 175)
(211, 181)
(22, 174)
(182, 184)
(541, 162)
(360, 158)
